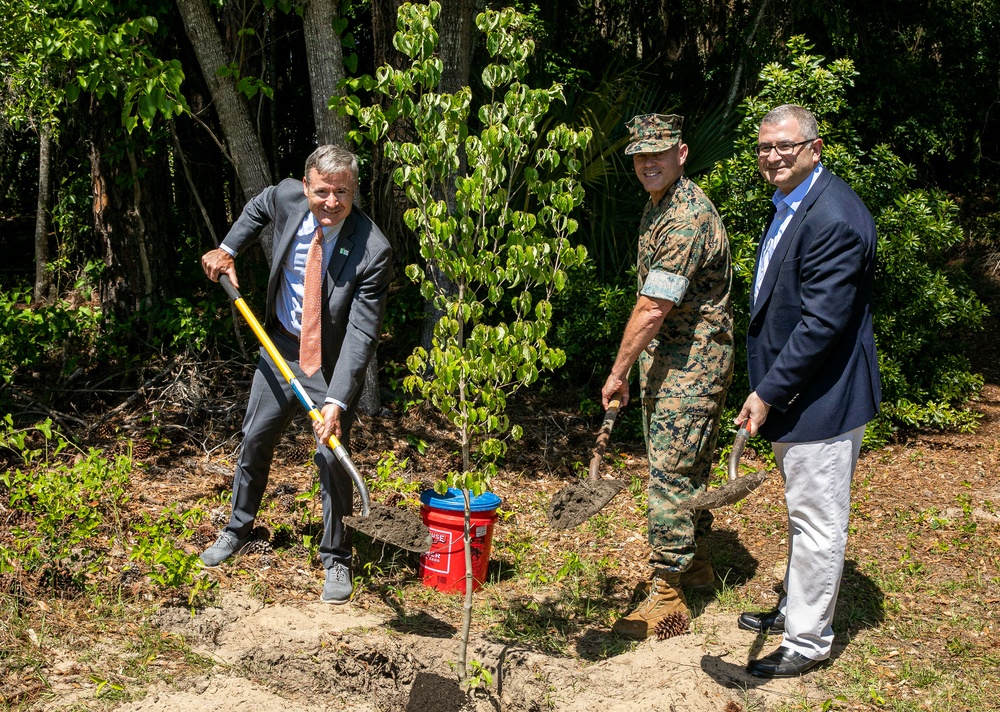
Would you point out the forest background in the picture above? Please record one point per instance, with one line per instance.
(132, 133)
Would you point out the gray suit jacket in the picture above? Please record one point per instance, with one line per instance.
(354, 288)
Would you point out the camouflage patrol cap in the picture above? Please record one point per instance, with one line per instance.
(652, 133)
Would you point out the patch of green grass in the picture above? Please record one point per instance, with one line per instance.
(118, 653)
(603, 525)
(732, 597)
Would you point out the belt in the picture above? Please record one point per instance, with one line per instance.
(286, 332)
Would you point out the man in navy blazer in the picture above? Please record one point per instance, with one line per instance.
(357, 270)
(813, 374)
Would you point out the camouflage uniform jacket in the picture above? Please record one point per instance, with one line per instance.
(684, 258)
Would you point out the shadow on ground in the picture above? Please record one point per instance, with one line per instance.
(860, 605)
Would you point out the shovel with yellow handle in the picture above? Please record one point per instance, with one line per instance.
(394, 526)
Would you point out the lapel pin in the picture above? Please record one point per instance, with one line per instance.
(343, 251)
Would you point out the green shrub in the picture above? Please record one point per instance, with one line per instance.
(67, 509)
(590, 318)
(154, 544)
(922, 307)
(33, 337)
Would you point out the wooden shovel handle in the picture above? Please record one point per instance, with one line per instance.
(604, 437)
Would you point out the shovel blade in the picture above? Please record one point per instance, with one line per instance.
(578, 502)
(393, 526)
(729, 493)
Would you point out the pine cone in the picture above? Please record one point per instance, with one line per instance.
(104, 431)
(673, 624)
(141, 449)
(257, 546)
(204, 535)
(299, 453)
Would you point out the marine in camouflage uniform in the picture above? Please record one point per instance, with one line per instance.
(681, 334)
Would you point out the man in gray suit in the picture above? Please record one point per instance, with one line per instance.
(357, 269)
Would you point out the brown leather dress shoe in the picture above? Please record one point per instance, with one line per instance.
(783, 662)
(771, 622)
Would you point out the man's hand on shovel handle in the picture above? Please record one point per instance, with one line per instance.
(756, 410)
(615, 388)
(218, 262)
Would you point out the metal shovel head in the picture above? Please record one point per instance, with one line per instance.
(393, 526)
(576, 503)
(737, 487)
(729, 493)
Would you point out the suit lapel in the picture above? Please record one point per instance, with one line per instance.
(286, 238)
(341, 251)
(788, 237)
(283, 243)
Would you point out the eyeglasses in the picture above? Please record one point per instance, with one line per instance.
(784, 148)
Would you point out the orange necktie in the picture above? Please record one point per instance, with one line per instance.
(310, 357)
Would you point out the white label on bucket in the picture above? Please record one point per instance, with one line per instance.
(481, 530)
(440, 544)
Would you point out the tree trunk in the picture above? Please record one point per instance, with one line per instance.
(42, 276)
(245, 148)
(456, 26)
(388, 202)
(456, 40)
(326, 68)
(130, 218)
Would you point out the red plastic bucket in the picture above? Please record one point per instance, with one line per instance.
(443, 566)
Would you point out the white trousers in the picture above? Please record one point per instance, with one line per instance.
(818, 496)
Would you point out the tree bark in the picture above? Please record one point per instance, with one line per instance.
(130, 219)
(43, 278)
(456, 40)
(326, 68)
(388, 202)
(245, 148)
(456, 27)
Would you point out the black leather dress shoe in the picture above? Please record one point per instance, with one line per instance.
(783, 662)
(771, 622)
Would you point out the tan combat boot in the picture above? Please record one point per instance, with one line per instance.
(699, 576)
(664, 600)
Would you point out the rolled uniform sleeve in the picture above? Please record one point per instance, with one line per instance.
(664, 285)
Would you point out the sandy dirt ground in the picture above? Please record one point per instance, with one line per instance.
(313, 657)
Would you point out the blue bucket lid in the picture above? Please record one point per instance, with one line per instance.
(455, 502)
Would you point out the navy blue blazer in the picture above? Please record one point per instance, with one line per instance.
(810, 344)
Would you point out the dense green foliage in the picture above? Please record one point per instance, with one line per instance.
(492, 215)
(920, 119)
(52, 52)
(922, 307)
(31, 336)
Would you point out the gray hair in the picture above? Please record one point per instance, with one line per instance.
(329, 159)
(805, 119)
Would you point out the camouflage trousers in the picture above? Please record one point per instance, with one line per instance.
(681, 434)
